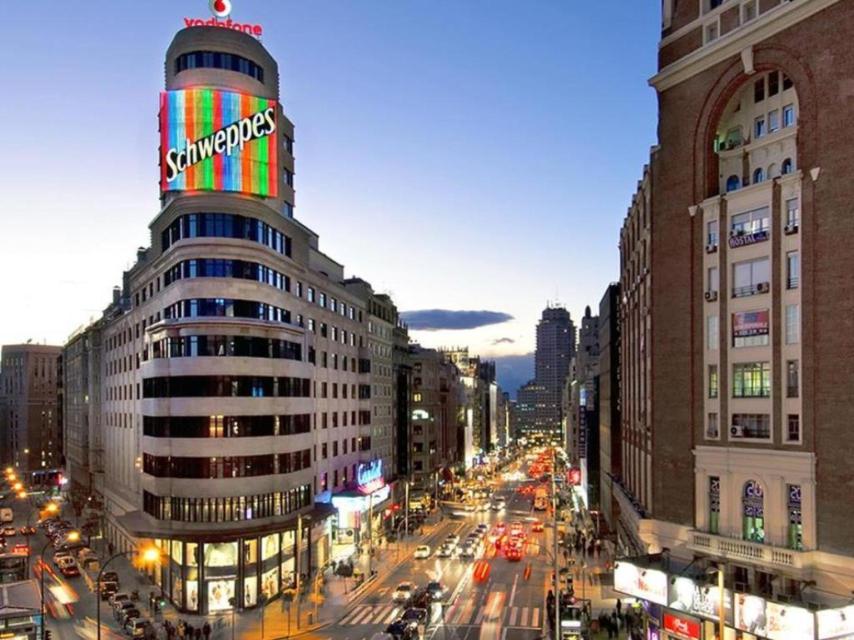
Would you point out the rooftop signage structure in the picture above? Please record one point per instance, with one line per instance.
(221, 9)
(214, 140)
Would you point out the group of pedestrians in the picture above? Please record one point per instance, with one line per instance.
(185, 631)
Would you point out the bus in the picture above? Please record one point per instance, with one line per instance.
(541, 499)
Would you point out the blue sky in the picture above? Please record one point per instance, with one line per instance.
(460, 155)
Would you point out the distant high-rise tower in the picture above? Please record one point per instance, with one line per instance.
(555, 350)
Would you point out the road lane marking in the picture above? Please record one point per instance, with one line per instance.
(523, 621)
(513, 590)
(512, 621)
(535, 618)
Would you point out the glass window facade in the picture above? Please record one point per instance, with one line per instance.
(225, 225)
(216, 345)
(226, 308)
(751, 380)
(225, 387)
(225, 426)
(224, 268)
(753, 512)
(219, 60)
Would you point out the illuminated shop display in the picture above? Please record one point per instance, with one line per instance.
(213, 140)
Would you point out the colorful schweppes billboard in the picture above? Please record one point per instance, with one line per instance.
(213, 140)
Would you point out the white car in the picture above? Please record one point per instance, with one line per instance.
(483, 506)
(447, 551)
(422, 552)
(452, 538)
(468, 552)
(404, 592)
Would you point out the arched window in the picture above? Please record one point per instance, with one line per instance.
(758, 175)
(753, 512)
(787, 166)
(733, 183)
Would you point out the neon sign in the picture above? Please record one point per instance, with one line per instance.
(215, 140)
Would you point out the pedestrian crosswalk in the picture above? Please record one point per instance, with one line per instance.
(466, 614)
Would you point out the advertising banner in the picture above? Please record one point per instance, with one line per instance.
(786, 622)
(750, 614)
(750, 323)
(699, 600)
(835, 623)
(214, 140)
(646, 584)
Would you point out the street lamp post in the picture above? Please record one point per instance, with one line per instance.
(150, 556)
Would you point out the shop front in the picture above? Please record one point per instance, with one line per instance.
(677, 607)
(359, 511)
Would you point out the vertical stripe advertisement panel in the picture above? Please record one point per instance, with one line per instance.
(214, 140)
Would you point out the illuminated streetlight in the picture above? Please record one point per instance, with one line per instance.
(18, 486)
(9, 470)
(52, 508)
(73, 536)
(22, 494)
(151, 555)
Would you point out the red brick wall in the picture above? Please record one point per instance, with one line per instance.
(818, 54)
(680, 48)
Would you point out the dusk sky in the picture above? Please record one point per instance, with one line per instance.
(461, 155)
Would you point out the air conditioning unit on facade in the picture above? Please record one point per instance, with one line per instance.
(736, 431)
(711, 296)
(763, 287)
(790, 228)
(711, 248)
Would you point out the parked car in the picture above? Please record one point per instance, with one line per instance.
(404, 592)
(27, 531)
(61, 556)
(119, 597)
(10, 531)
(422, 552)
(108, 589)
(134, 627)
(110, 576)
(69, 570)
(127, 614)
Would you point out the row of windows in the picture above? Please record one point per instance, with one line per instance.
(226, 308)
(328, 302)
(224, 268)
(229, 509)
(225, 426)
(756, 337)
(225, 466)
(755, 426)
(753, 512)
(225, 225)
(225, 387)
(752, 222)
(218, 60)
(239, 346)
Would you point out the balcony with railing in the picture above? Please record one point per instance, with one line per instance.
(737, 550)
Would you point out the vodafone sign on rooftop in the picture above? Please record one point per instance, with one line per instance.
(221, 9)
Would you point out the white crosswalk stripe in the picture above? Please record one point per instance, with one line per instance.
(371, 614)
(524, 617)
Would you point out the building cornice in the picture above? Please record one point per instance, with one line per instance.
(767, 25)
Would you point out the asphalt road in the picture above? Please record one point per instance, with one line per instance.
(508, 605)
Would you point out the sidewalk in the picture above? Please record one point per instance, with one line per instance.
(279, 617)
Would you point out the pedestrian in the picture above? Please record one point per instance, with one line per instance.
(619, 607)
(198, 633)
(182, 629)
(615, 621)
(206, 629)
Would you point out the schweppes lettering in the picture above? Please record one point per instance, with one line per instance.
(225, 141)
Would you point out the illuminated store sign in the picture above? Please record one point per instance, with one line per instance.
(212, 140)
(647, 584)
(750, 614)
(349, 504)
(682, 627)
(369, 472)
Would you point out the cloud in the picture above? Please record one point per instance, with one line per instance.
(503, 341)
(438, 319)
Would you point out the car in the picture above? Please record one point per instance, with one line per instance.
(436, 590)
(61, 556)
(469, 507)
(27, 531)
(110, 576)
(21, 549)
(421, 600)
(69, 570)
(452, 538)
(500, 527)
(447, 551)
(10, 531)
(135, 628)
(422, 552)
(118, 597)
(483, 506)
(130, 613)
(468, 552)
(108, 589)
(122, 607)
(483, 528)
(403, 629)
(418, 615)
(537, 527)
(404, 592)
